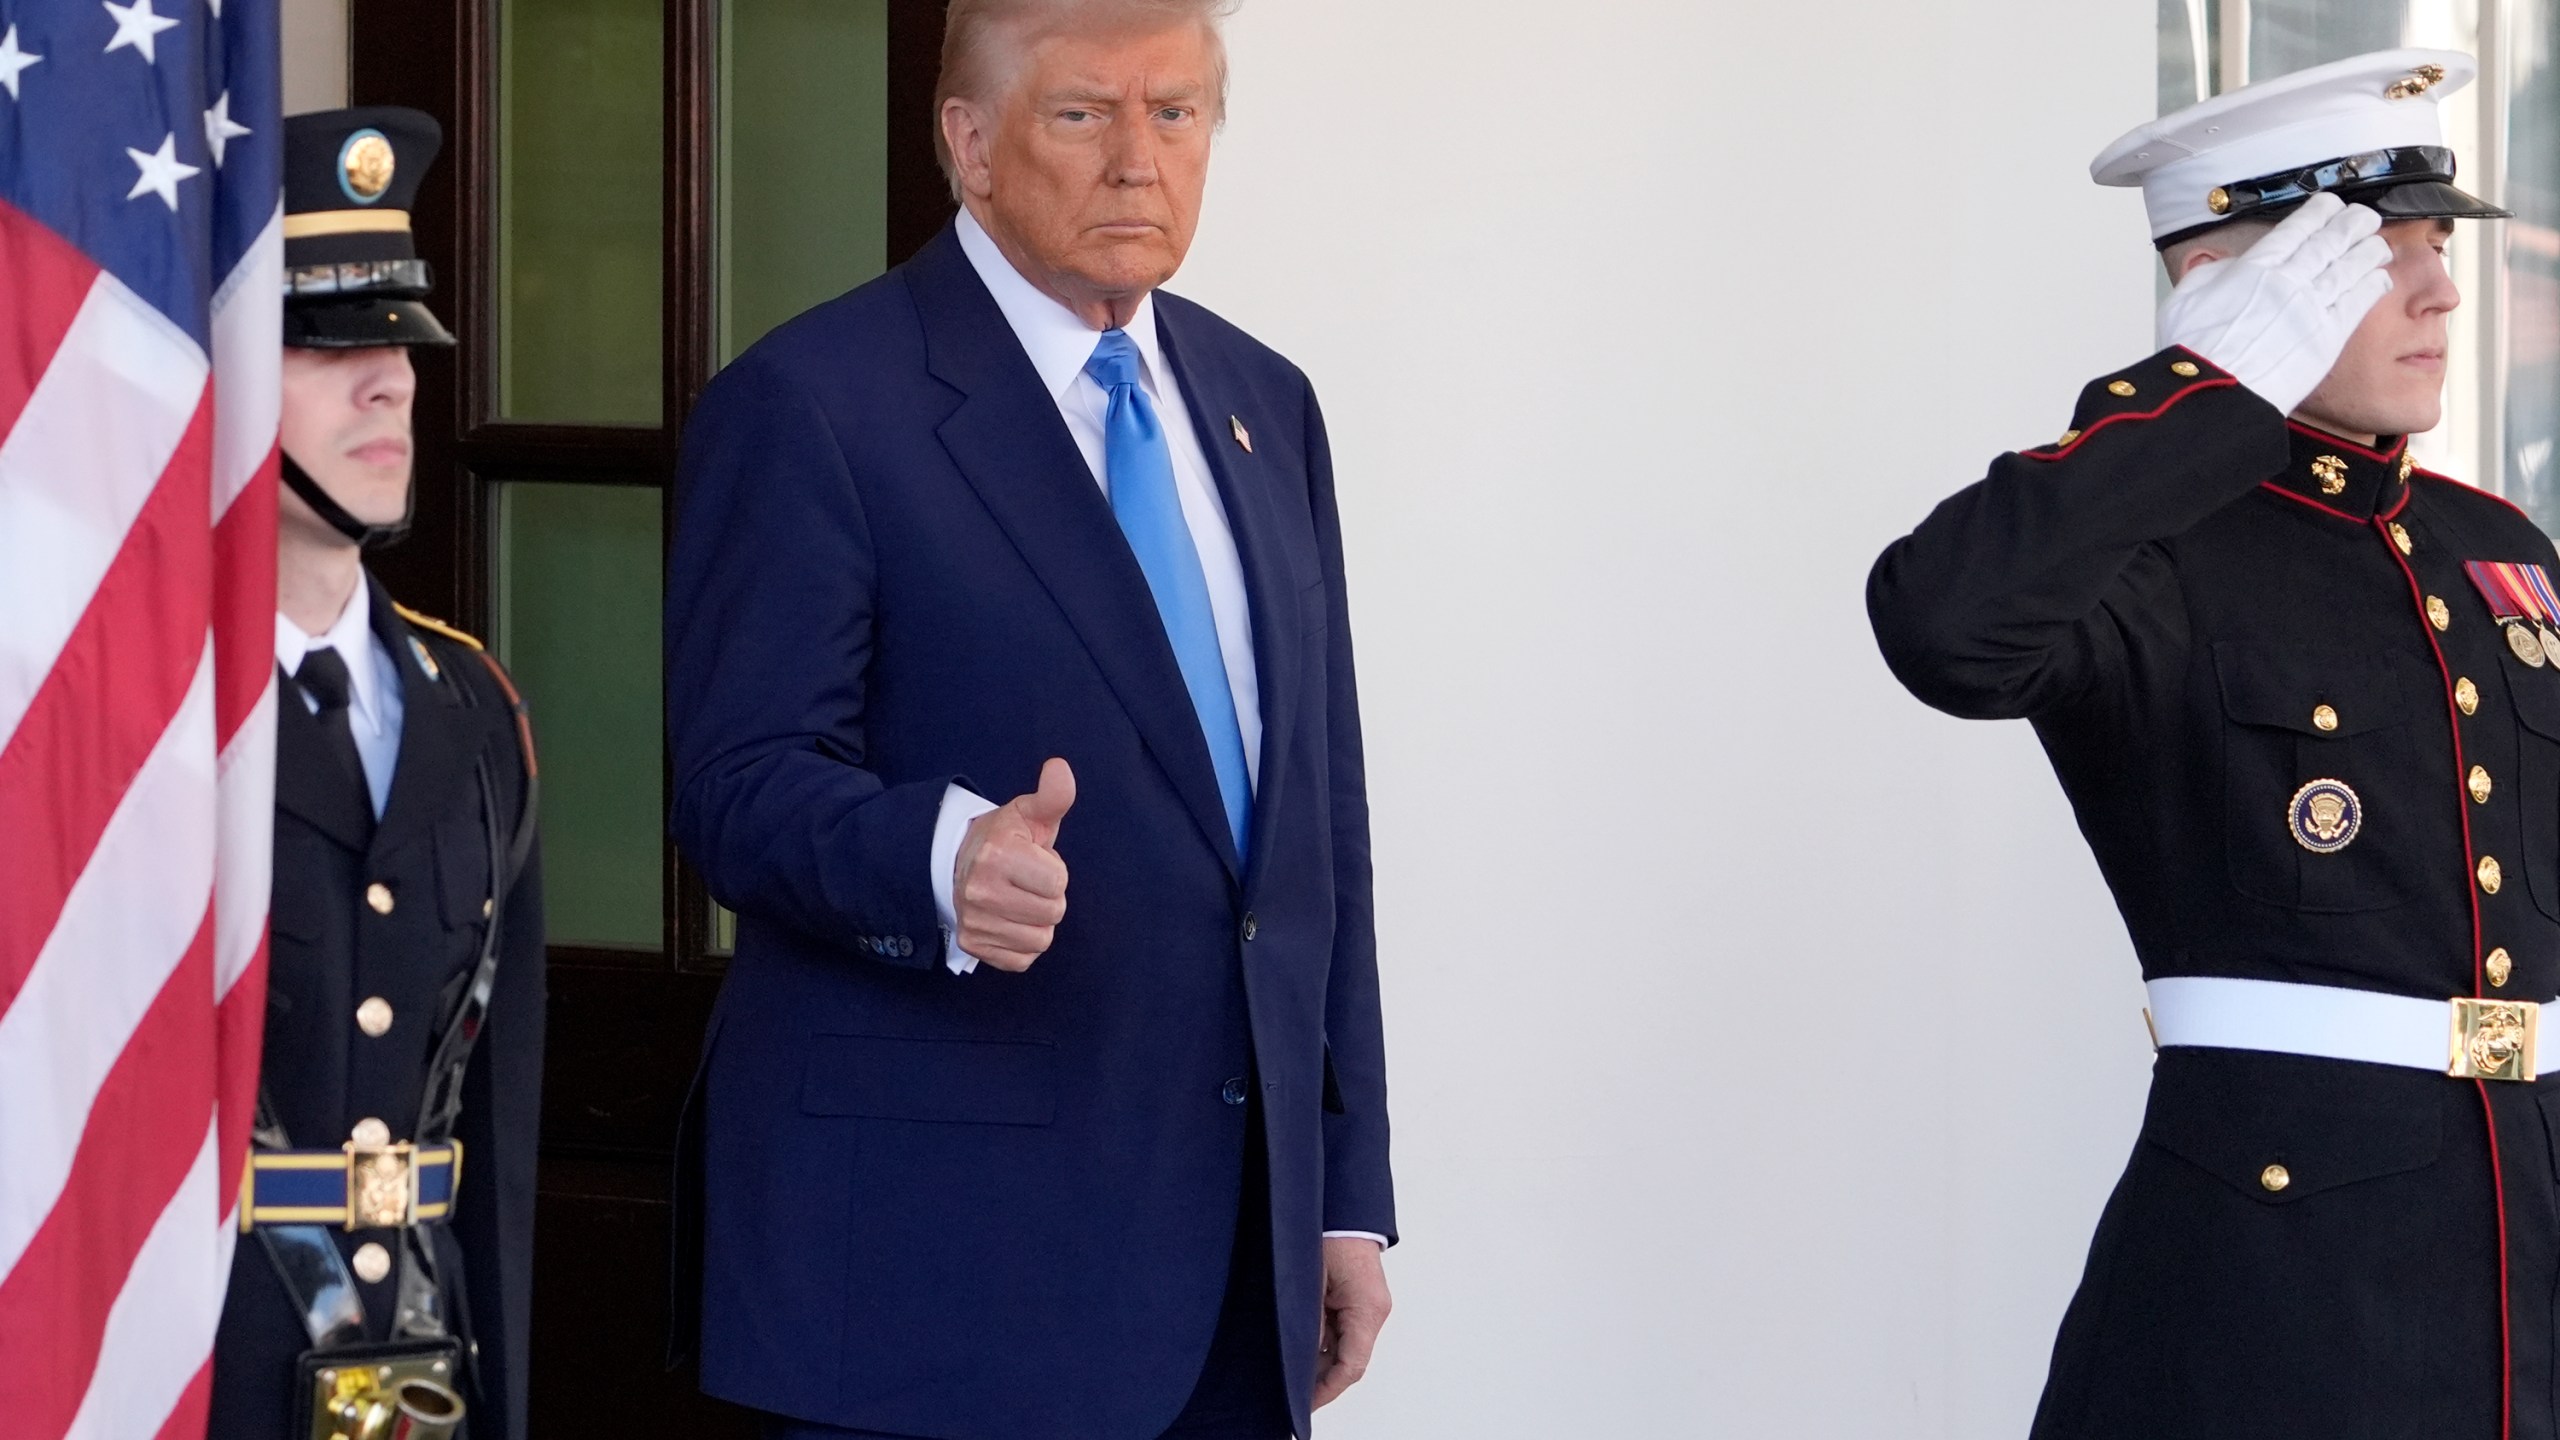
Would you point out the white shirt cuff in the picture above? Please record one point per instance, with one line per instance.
(1356, 1235)
(959, 806)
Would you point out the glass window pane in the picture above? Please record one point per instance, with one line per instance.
(577, 623)
(802, 169)
(580, 95)
(2532, 255)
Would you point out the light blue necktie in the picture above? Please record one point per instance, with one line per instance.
(1140, 467)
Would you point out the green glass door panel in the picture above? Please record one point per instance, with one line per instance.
(802, 167)
(581, 89)
(577, 622)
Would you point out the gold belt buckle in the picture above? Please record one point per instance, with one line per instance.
(382, 1186)
(2494, 1039)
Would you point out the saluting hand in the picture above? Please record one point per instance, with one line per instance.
(2279, 316)
(1009, 888)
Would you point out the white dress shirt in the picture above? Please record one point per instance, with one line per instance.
(1059, 343)
(375, 707)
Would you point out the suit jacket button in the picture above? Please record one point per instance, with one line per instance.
(906, 946)
(1235, 1092)
(378, 895)
(1252, 927)
(373, 1017)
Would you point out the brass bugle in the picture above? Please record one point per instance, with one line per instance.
(425, 1410)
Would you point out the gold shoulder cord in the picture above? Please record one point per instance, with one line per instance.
(429, 622)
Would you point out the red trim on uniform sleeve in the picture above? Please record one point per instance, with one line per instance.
(2273, 488)
(2054, 453)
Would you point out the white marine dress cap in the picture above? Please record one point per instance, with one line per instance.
(2367, 129)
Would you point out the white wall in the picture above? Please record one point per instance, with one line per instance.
(315, 55)
(1763, 1044)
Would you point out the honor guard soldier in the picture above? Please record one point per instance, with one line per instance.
(384, 1276)
(2302, 695)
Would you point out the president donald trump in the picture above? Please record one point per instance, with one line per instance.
(1011, 691)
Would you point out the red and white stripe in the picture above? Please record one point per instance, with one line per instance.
(137, 569)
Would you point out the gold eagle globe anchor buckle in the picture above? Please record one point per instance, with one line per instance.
(2494, 1039)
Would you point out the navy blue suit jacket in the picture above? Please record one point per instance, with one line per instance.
(993, 1206)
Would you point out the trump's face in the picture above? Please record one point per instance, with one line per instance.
(1088, 173)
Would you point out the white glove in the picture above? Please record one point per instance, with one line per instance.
(2278, 317)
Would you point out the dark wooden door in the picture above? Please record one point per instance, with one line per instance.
(632, 190)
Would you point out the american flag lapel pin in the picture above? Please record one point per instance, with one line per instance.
(1244, 437)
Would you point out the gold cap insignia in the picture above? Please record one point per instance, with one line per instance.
(2331, 472)
(2416, 83)
(365, 166)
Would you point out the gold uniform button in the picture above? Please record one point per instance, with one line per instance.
(2480, 786)
(370, 1134)
(2067, 437)
(2275, 1178)
(2324, 718)
(378, 895)
(2439, 614)
(2184, 369)
(2466, 695)
(2400, 537)
(372, 1263)
(2491, 875)
(2499, 966)
(2121, 388)
(373, 1017)
(488, 907)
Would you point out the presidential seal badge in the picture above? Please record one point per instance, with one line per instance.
(2325, 816)
(365, 164)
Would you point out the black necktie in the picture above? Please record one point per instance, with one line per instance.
(324, 678)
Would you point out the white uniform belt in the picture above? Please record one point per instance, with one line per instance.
(2463, 1037)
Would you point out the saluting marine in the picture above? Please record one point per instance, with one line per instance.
(386, 1274)
(2302, 695)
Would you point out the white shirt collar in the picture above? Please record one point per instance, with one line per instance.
(1055, 337)
(353, 638)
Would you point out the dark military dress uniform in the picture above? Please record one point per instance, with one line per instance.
(383, 929)
(2215, 617)
(378, 926)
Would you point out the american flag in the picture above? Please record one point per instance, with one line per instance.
(141, 265)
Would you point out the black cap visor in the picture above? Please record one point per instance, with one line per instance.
(2410, 183)
(2429, 200)
(361, 324)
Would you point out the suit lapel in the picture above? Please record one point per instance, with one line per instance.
(1010, 443)
(436, 734)
(1216, 398)
(308, 782)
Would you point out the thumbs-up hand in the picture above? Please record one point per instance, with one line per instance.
(1009, 888)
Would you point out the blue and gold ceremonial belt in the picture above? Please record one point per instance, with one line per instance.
(380, 1187)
